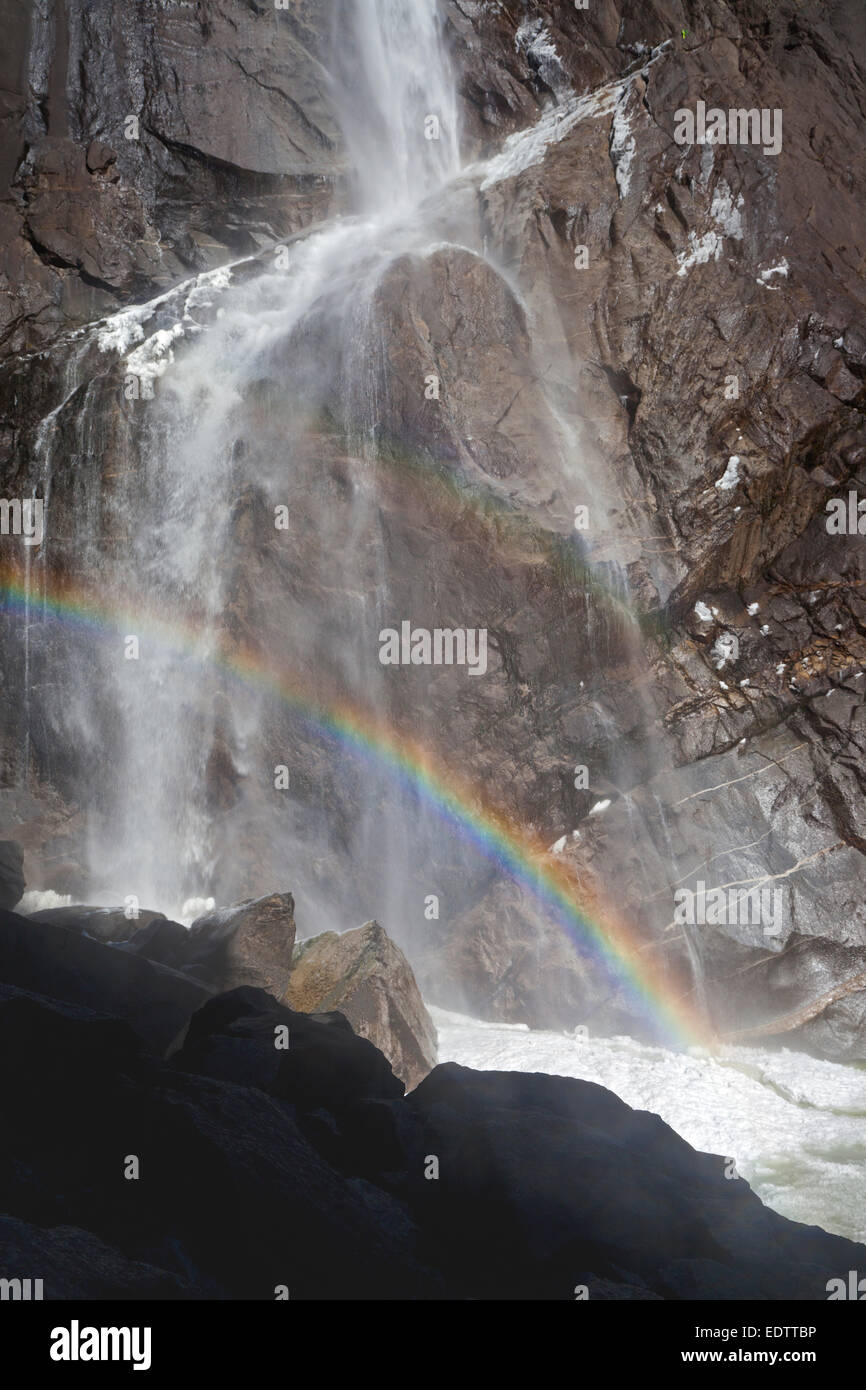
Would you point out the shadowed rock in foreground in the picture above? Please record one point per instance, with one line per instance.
(11, 873)
(277, 1149)
(46, 957)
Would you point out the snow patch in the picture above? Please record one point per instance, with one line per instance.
(701, 249)
(120, 332)
(527, 147)
(722, 652)
(765, 275)
(534, 39)
(155, 355)
(622, 144)
(726, 212)
(730, 477)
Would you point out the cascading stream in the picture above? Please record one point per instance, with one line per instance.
(276, 397)
(396, 99)
(270, 371)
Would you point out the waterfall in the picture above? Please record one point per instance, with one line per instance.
(394, 92)
(290, 341)
(270, 384)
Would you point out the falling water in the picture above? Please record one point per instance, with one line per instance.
(394, 92)
(296, 338)
(260, 372)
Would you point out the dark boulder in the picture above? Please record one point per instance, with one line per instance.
(543, 1177)
(11, 873)
(228, 1175)
(102, 923)
(248, 944)
(313, 1061)
(75, 1264)
(227, 1197)
(48, 959)
(162, 940)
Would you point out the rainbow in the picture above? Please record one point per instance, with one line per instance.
(597, 930)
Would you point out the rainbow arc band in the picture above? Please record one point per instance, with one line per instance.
(598, 931)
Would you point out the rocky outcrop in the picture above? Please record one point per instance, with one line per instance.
(75, 1264)
(736, 771)
(43, 957)
(358, 974)
(313, 1061)
(275, 1156)
(248, 944)
(811, 995)
(365, 976)
(140, 153)
(12, 883)
(504, 959)
(113, 924)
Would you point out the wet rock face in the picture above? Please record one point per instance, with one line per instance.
(365, 976)
(249, 944)
(80, 214)
(102, 923)
(717, 369)
(149, 147)
(696, 379)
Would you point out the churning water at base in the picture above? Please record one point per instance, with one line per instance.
(793, 1124)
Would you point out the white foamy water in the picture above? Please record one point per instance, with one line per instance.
(40, 899)
(794, 1124)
